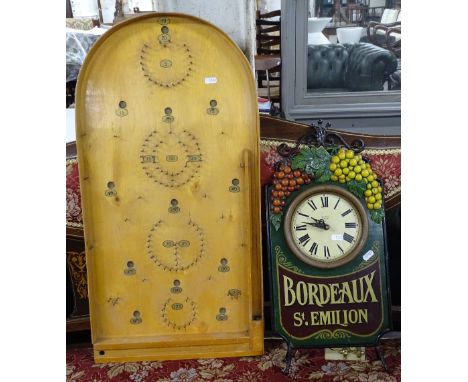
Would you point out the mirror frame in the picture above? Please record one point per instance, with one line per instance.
(297, 104)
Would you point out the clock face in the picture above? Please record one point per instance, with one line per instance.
(326, 226)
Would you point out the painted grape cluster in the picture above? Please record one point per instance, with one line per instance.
(285, 181)
(346, 166)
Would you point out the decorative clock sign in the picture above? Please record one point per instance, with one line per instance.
(327, 245)
(168, 165)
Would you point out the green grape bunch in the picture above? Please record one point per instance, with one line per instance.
(347, 166)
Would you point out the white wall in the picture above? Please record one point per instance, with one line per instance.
(265, 6)
(108, 7)
(235, 17)
(84, 8)
(144, 5)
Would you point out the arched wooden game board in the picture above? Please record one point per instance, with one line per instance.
(167, 137)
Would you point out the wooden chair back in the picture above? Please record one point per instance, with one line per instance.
(268, 32)
(268, 36)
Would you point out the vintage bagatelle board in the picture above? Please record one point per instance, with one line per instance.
(327, 245)
(167, 138)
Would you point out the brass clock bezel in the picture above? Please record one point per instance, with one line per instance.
(353, 200)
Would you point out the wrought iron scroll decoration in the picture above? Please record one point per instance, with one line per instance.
(320, 137)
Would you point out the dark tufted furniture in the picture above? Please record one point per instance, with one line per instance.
(348, 67)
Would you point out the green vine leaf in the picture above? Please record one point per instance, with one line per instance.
(333, 150)
(313, 160)
(275, 219)
(319, 161)
(300, 160)
(357, 187)
(377, 215)
(325, 177)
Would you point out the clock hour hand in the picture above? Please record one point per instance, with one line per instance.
(322, 223)
(319, 224)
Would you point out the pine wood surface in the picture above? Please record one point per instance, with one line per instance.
(127, 204)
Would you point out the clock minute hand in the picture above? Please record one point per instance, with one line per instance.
(312, 224)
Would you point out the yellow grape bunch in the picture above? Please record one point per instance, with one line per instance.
(347, 166)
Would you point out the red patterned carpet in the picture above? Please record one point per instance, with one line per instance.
(308, 365)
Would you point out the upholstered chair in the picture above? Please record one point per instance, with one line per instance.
(348, 67)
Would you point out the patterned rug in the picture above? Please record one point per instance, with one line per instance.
(308, 365)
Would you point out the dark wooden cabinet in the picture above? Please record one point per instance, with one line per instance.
(77, 291)
(77, 287)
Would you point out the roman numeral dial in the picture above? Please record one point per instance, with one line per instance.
(326, 226)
